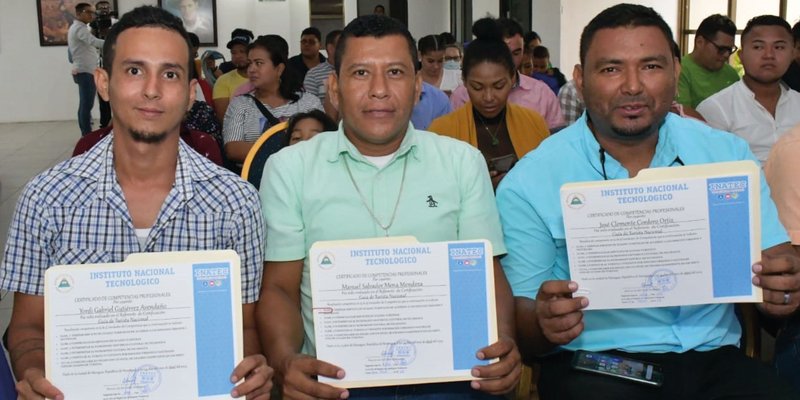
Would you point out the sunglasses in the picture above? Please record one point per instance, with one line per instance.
(722, 50)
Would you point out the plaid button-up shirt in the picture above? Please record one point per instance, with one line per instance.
(75, 213)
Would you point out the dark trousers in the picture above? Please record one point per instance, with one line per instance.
(86, 91)
(724, 373)
(787, 352)
(431, 391)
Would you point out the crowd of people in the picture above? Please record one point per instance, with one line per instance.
(381, 122)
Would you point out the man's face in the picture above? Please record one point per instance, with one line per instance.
(526, 66)
(149, 88)
(188, 9)
(515, 44)
(628, 81)
(309, 45)
(540, 64)
(239, 56)
(713, 53)
(534, 44)
(375, 91)
(767, 52)
(103, 8)
(452, 54)
(87, 15)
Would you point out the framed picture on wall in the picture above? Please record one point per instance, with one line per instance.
(55, 17)
(199, 17)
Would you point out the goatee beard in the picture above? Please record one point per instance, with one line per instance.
(148, 137)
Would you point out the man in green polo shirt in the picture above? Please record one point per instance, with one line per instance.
(376, 176)
(705, 71)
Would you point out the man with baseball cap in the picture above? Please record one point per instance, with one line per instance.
(227, 83)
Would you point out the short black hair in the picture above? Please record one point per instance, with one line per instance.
(145, 17)
(623, 15)
(377, 26)
(312, 31)
(278, 50)
(716, 23)
(194, 39)
(427, 44)
(447, 38)
(331, 37)
(541, 52)
(80, 7)
(379, 6)
(327, 123)
(531, 36)
(796, 32)
(510, 27)
(487, 47)
(102, 2)
(766, 20)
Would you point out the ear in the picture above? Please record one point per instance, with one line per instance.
(417, 87)
(333, 89)
(101, 81)
(280, 68)
(192, 94)
(577, 75)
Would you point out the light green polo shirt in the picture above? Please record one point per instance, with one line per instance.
(308, 196)
(697, 83)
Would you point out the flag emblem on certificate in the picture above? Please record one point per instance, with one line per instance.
(575, 200)
(325, 260)
(64, 283)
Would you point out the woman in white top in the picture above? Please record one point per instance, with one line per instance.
(431, 55)
(276, 96)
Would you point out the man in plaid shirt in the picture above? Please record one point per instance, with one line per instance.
(140, 189)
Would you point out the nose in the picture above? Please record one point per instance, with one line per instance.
(633, 82)
(378, 86)
(487, 96)
(769, 52)
(152, 87)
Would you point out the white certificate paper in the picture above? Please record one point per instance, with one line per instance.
(669, 237)
(394, 311)
(157, 326)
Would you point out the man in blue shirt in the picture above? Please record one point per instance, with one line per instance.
(628, 77)
(432, 104)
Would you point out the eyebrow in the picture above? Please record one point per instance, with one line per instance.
(616, 61)
(392, 64)
(166, 65)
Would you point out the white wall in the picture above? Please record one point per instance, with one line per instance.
(427, 17)
(480, 9)
(546, 22)
(575, 14)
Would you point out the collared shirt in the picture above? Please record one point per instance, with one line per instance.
(571, 102)
(315, 80)
(432, 104)
(244, 122)
(781, 170)
(75, 213)
(697, 83)
(736, 110)
(533, 226)
(307, 196)
(529, 93)
(83, 47)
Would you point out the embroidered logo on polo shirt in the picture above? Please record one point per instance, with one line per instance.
(431, 202)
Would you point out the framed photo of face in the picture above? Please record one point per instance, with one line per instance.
(56, 16)
(198, 16)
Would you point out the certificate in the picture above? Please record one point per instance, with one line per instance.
(157, 326)
(669, 237)
(395, 311)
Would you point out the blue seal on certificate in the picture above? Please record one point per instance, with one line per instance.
(143, 380)
(662, 280)
(400, 353)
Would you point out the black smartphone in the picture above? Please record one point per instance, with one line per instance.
(503, 163)
(619, 367)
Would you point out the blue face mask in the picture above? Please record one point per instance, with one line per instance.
(452, 64)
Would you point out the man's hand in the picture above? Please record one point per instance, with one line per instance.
(299, 383)
(778, 273)
(560, 316)
(34, 386)
(502, 376)
(257, 378)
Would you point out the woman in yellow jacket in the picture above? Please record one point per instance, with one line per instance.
(503, 132)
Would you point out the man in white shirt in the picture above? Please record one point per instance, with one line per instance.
(84, 55)
(759, 108)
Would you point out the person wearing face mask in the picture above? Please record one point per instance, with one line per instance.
(452, 57)
(502, 131)
(432, 56)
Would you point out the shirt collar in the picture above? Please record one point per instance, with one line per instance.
(665, 155)
(345, 146)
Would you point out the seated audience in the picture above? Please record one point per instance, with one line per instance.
(696, 346)
(452, 57)
(759, 108)
(526, 91)
(705, 70)
(314, 82)
(431, 56)
(781, 171)
(309, 57)
(488, 121)
(305, 125)
(432, 104)
(571, 102)
(227, 83)
(276, 95)
(543, 71)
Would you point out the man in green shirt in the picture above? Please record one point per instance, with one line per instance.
(705, 70)
(376, 176)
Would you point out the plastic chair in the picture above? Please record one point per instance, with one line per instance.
(270, 142)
